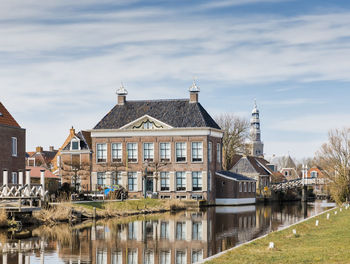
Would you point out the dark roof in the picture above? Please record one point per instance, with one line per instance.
(6, 118)
(82, 135)
(236, 176)
(176, 113)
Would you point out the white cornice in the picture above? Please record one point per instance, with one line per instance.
(101, 133)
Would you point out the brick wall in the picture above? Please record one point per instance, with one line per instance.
(7, 161)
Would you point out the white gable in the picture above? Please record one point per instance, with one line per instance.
(146, 122)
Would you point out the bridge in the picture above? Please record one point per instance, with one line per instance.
(300, 183)
(22, 198)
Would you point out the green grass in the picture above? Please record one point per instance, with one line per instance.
(327, 243)
(126, 206)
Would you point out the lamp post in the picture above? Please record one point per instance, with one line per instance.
(145, 180)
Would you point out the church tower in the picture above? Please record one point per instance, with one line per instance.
(257, 147)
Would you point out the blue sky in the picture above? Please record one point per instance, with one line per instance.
(62, 61)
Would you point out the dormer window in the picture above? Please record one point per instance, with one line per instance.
(75, 144)
(147, 125)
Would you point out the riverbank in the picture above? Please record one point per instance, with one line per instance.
(65, 212)
(326, 243)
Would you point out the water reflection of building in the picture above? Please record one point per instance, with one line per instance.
(185, 237)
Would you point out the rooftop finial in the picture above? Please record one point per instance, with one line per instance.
(194, 87)
(122, 90)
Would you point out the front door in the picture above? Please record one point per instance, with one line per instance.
(149, 184)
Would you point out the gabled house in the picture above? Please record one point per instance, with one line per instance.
(289, 169)
(170, 148)
(256, 168)
(41, 157)
(12, 147)
(320, 179)
(73, 160)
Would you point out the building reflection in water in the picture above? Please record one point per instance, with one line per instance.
(185, 237)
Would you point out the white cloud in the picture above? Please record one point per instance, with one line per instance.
(318, 123)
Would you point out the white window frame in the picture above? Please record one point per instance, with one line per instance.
(199, 176)
(14, 146)
(249, 187)
(164, 175)
(71, 144)
(14, 177)
(182, 174)
(210, 150)
(97, 151)
(185, 149)
(199, 154)
(166, 150)
(128, 152)
(218, 152)
(245, 187)
(149, 151)
(165, 256)
(240, 187)
(133, 175)
(117, 151)
(103, 174)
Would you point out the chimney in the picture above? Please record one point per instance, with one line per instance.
(52, 148)
(122, 92)
(72, 131)
(39, 149)
(194, 91)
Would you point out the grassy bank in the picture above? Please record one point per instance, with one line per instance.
(105, 209)
(326, 243)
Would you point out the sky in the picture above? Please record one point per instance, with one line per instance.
(62, 61)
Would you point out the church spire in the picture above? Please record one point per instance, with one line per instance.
(255, 133)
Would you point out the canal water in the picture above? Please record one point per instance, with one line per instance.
(184, 237)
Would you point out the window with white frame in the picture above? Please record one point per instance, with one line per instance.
(180, 151)
(101, 152)
(164, 181)
(196, 180)
(313, 174)
(210, 149)
(164, 151)
(254, 187)
(148, 152)
(132, 230)
(180, 257)
(209, 181)
(116, 257)
(197, 231)
(132, 181)
(132, 256)
(132, 152)
(101, 179)
(197, 151)
(245, 186)
(75, 144)
(147, 125)
(116, 178)
(14, 178)
(101, 256)
(148, 257)
(197, 255)
(180, 181)
(117, 152)
(180, 230)
(240, 187)
(164, 230)
(14, 146)
(218, 152)
(249, 187)
(165, 257)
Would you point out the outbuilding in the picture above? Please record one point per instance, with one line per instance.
(234, 189)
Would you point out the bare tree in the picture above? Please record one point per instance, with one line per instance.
(236, 133)
(155, 167)
(75, 171)
(114, 167)
(334, 157)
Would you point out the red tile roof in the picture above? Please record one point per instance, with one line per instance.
(35, 172)
(6, 118)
